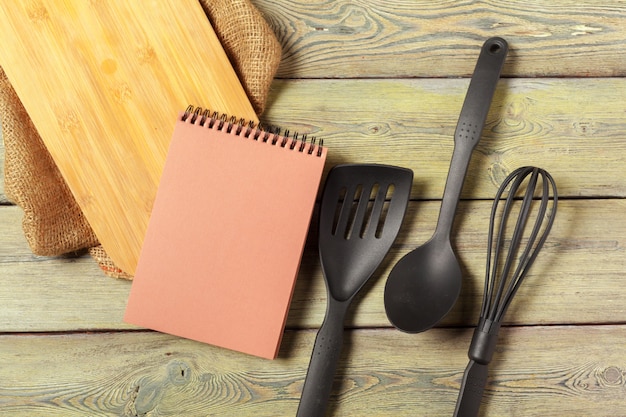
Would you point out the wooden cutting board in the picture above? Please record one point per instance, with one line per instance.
(103, 82)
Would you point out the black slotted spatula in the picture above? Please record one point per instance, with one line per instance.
(360, 215)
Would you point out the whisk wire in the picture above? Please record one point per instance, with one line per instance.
(528, 258)
(525, 259)
(499, 279)
(491, 300)
(490, 276)
(516, 240)
(505, 278)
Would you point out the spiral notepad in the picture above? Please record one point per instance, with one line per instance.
(226, 234)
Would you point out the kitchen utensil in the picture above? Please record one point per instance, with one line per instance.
(507, 265)
(360, 215)
(103, 83)
(424, 285)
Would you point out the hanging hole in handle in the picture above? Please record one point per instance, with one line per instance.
(495, 48)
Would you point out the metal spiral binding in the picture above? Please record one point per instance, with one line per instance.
(248, 129)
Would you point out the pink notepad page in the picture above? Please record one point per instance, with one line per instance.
(225, 238)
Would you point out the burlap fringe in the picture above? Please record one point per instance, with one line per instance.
(53, 222)
(250, 42)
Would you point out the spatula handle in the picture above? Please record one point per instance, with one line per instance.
(324, 360)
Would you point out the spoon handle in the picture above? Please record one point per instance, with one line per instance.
(324, 360)
(470, 125)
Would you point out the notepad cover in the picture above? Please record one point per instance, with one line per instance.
(225, 238)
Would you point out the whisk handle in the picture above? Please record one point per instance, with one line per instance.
(472, 388)
(475, 377)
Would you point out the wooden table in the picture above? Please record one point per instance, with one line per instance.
(383, 81)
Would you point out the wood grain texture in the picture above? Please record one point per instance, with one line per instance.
(588, 240)
(557, 124)
(382, 372)
(406, 38)
(116, 76)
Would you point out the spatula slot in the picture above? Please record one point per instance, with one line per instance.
(387, 196)
(338, 208)
(354, 209)
(346, 209)
(369, 209)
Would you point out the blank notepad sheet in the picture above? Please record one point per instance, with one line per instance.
(226, 235)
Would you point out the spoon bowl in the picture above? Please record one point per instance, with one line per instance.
(424, 286)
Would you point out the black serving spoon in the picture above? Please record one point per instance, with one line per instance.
(424, 285)
(360, 215)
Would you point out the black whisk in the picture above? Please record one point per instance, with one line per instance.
(506, 268)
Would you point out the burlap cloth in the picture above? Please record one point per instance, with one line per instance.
(53, 223)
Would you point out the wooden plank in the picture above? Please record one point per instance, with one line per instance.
(379, 38)
(381, 372)
(557, 124)
(60, 294)
(53, 293)
(588, 240)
